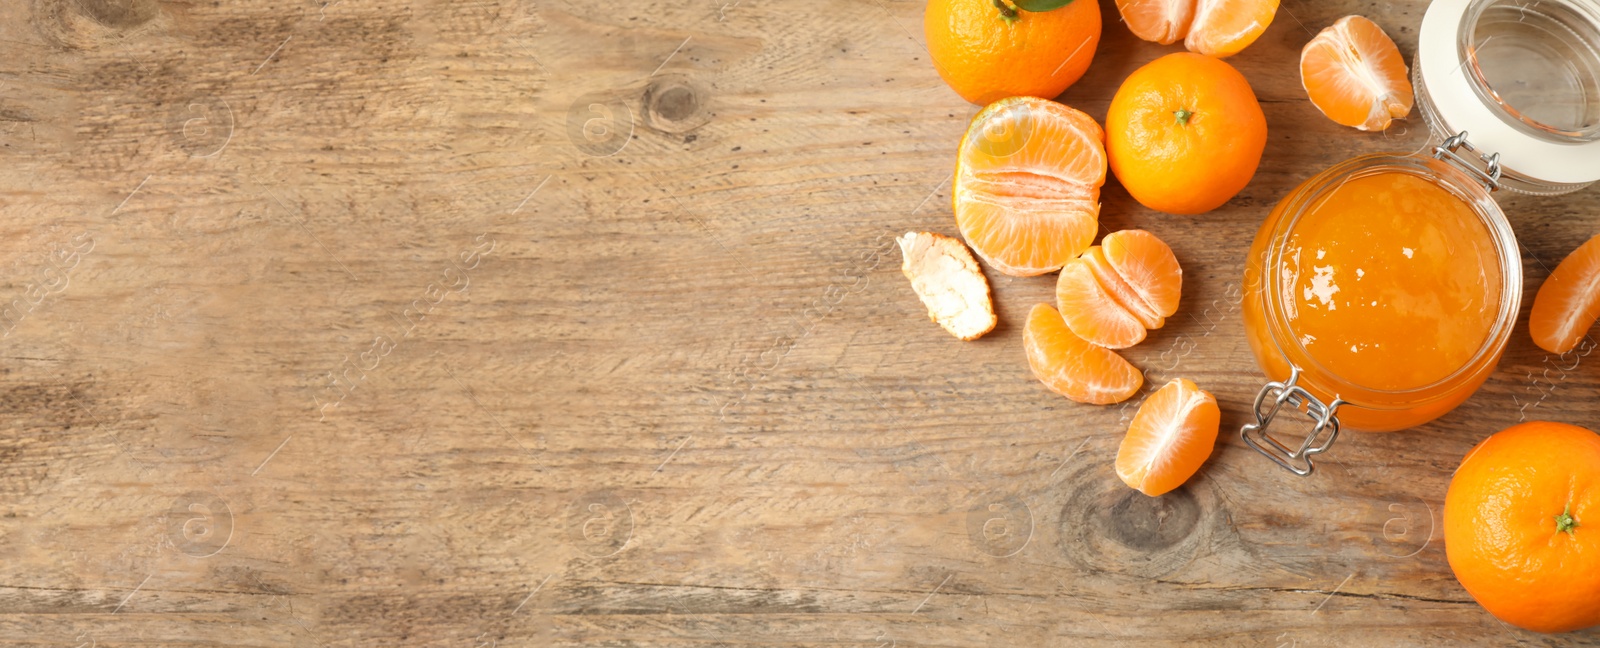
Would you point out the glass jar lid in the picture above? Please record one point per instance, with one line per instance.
(1522, 79)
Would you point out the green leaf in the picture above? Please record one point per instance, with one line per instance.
(1037, 6)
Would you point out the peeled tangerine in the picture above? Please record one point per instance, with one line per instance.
(1116, 290)
(1027, 184)
(1169, 438)
(1355, 75)
(947, 279)
(1569, 300)
(1073, 367)
(1217, 28)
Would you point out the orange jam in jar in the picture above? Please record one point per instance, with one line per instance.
(1380, 293)
(1384, 288)
(1390, 281)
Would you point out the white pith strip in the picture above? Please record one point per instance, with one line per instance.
(1570, 322)
(1169, 436)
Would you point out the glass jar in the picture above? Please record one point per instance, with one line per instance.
(1523, 78)
(1412, 246)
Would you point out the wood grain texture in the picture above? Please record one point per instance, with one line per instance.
(502, 323)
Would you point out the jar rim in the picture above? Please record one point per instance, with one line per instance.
(1468, 47)
(1478, 200)
(1453, 95)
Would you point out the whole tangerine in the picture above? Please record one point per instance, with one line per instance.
(1185, 133)
(1522, 526)
(988, 52)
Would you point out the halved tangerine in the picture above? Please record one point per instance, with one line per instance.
(1116, 290)
(1091, 310)
(1027, 184)
(1217, 28)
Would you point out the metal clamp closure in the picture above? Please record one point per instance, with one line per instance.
(1318, 441)
(1489, 174)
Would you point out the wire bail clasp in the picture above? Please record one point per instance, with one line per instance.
(1317, 442)
(1489, 174)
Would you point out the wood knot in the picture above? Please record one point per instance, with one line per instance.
(1145, 523)
(84, 24)
(675, 104)
(1106, 526)
(120, 14)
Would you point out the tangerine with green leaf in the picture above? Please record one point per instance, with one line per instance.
(988, 50)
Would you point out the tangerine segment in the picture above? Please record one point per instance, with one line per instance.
(1522, 526)
(1157, 21)
(1090, 310)
(1169, 438)
(1569, 301)
(1148, 266)
(1027, 184)
(1222, 28)
(1355, 75)
(1072, 367)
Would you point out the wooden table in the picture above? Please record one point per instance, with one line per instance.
(500, 323)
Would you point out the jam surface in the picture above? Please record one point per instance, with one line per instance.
(1390, 282)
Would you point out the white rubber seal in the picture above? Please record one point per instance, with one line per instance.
(1445, 79)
